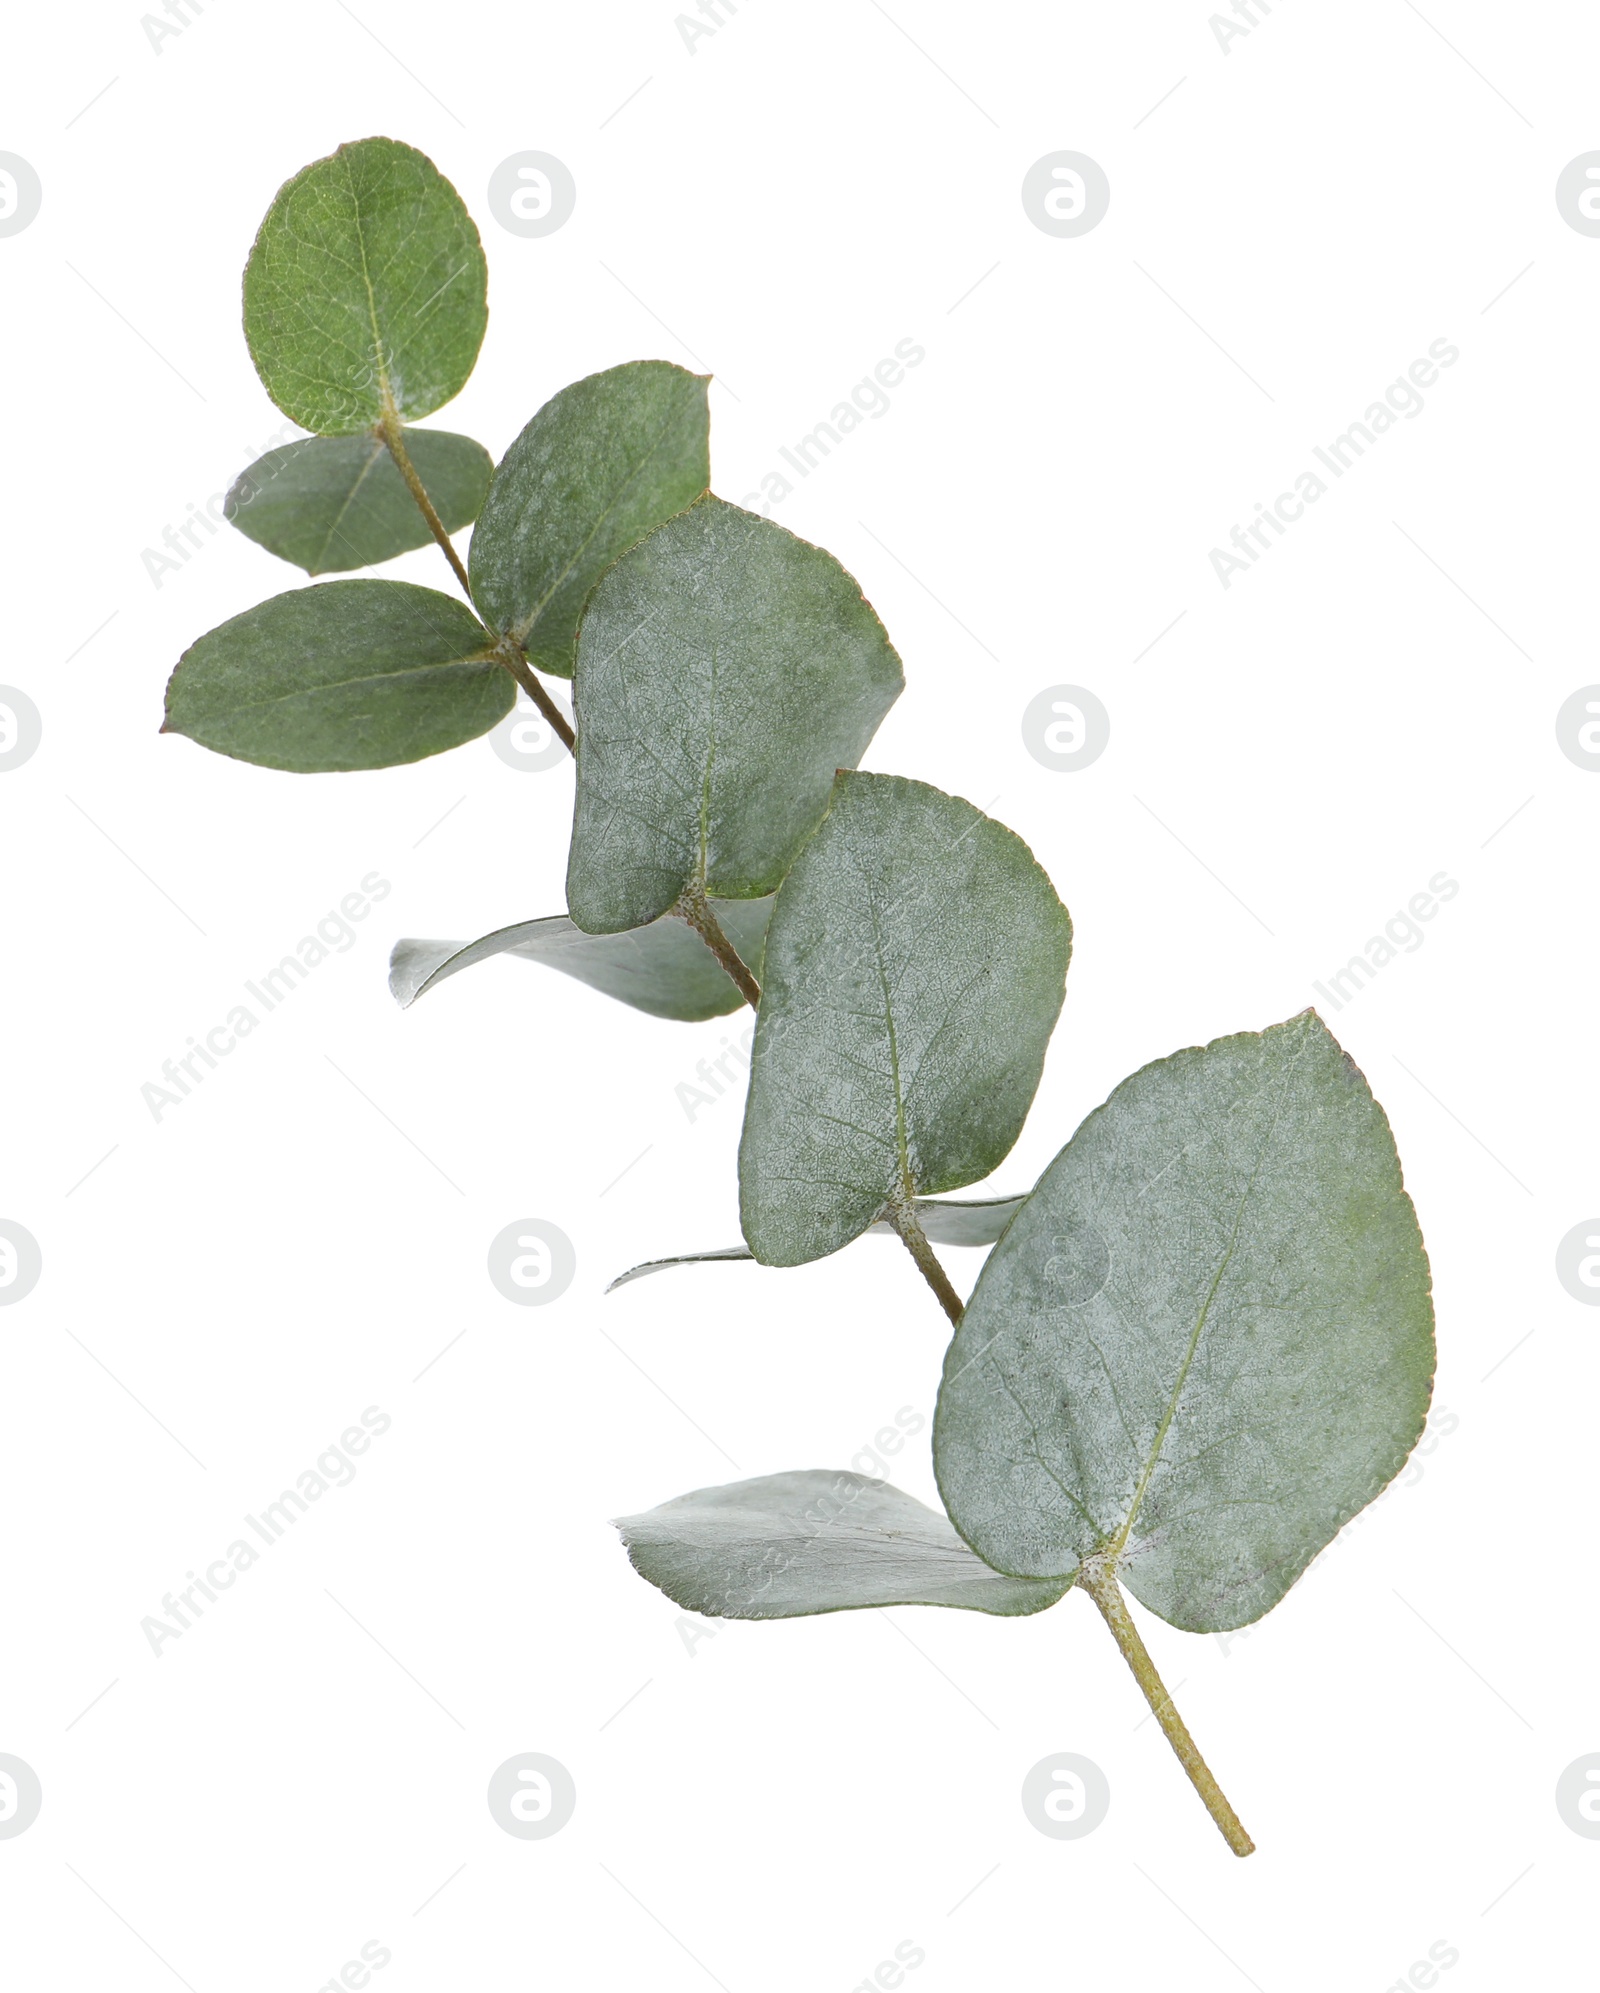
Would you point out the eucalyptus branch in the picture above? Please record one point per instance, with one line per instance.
(1117, 1340)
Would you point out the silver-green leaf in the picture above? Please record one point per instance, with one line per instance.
(1206, 1340)
(726, 669)
(915, 967)
(349, 674)
(664, 969)
(602, 463)
(333, 503)
(947, 1221)
(817, 1540)
(366, 291)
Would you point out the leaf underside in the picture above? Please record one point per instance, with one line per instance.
(333, 503)
(365, 292)
(784, 1546)
(946, 1221)
(664, 969)
(725, 670)
(1204, 1343)
(915, 968)
(349, 674)
(602, 464)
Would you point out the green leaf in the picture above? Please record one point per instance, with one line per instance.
(726, 669)
(331, 503)
(817, 1540)
(603, 463)
(1205, 1341)
(915, 968)
(351, 674)
(365, 292)
(946, 1221)
(665, 969)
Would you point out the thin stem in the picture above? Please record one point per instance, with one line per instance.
(511, 656)
(509, 651)
(1098, 1579)
(693, 906)
(902, 1215)
(394, 436)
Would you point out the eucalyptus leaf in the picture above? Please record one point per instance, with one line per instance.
(819, 1540)
(1206, 1340)
(946, 1221)
(602, 463)
(915, 967)
(726, 669)
(350, 674)
(366, 291)
(332, 503)
(665, 969)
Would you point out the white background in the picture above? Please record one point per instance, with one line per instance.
(779, 1806)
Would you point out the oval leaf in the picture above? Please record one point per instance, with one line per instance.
(1206, 1340)
(332, 503)
(352, 674)
(366, 290)
(817, 1540)
(915, 968)
(665, 969)
(602, 464)
(725, 670)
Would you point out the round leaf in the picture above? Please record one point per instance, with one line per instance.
(352, 674)
(915, 968)
(366, 290)
(601, 464)
(1204, 1342)
(332, 503)
(726, 669)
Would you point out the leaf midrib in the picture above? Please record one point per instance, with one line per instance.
(1119, 1542)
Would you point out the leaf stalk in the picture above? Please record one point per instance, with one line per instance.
(1098, 1578)
(693, 906)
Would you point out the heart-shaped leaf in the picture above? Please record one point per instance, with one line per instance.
(366, 291)
(817, 1540)
(946, 1221)
(350, 674)
(915, 968)
(665, 969)
(1205, 1341)
(603, 463)
(726, 669)
(332, 503)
